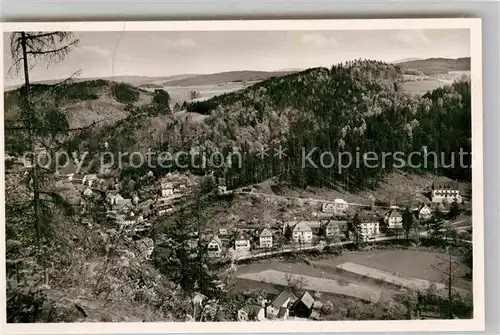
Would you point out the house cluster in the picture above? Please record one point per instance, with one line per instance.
(173, 187)
(282, 307)
(133, 213)
(240, 241)
(307, 232)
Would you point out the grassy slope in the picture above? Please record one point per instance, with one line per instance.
(82, 102)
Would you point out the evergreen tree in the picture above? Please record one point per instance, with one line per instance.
(36, 123)
(354, 227)
(454, 210)
(407, 222)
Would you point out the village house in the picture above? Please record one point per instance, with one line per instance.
(89, 179)
(76, 178)
(221, 189)
(369, 230)
(164, 206)
(314, 225)
(338, 207)
(214, 247)
(164, 211)
(88, 192)
(394, 219)
(303, 306)
(334, 227)
(251, 313)
(114, 198)
(167, 189)
(126, 220)
(280, 304)
(123, 204)
(445, 191)
(266, 239)
(302, 233)
(424, 213)
(242, 243)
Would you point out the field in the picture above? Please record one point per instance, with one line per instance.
(408, 263)
(420, 87)
(179, 94)
(317, 284)
(406, 282)
(406, 266)
(421, 84)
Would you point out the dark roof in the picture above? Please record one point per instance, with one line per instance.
(216, 239)
(394, 214)
(336, 223)
(281, 298)
(444, 185)
(422, 206)
(266, 232)
(242, 236)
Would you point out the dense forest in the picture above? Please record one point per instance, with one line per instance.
(353, 107)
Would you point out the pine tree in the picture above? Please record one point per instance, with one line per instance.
(354, 227)
(407, 222)
(26, 49)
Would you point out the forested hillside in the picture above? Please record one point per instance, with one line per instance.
(355, 107)
(352, 107)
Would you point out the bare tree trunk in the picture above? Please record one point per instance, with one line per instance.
(31, 135)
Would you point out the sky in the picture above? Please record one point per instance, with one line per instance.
(104, 54)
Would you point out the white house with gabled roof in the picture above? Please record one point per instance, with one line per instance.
(394, 219)
(425, 212)
(302, 233)
(266, 239)
(214, 247)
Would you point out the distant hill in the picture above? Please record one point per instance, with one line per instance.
(150, 86)
(411, 59)
(187, 79)
(224, 77)
(433, 66)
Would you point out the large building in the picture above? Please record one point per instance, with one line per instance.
(338, 207)
(445, 191)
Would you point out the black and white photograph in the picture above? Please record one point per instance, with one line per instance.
(240, 176)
